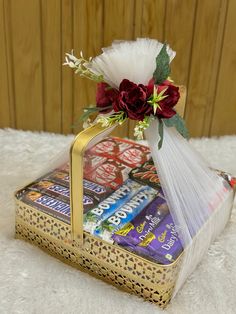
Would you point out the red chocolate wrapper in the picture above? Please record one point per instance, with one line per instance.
(92, 161)
(134, 156)
(124, 151)
(110, 147)
(110, 174)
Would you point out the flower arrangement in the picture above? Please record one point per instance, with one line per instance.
(119, 98)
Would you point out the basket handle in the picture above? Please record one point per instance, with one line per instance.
(84, 140)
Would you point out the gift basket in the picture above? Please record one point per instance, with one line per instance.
(138, 216)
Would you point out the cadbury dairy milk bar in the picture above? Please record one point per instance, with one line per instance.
(145, 222)
(125, 213)
(162, 244)
(108, 206)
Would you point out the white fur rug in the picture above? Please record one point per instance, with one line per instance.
(33, 282)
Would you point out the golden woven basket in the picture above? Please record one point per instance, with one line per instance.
(80, 249)
(71, 244)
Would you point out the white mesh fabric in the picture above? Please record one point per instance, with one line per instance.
(196, 195)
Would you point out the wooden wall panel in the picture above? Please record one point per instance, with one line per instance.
(151, 26)
(51, 63)
(87, 37)
(148, 25)
(26, 63)
(38, 93)
(224, 113)
(5, 119)
(180, 41)
(206, 48)
(119, 24)
(67, 76)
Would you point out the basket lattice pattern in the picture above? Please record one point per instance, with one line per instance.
(108, 262)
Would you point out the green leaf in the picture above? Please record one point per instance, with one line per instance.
(88, 112)
(161, 133)
(179, 123)
(162, 66)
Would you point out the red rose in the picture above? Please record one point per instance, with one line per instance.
(105, 96)
(133, 98)
(166, 105)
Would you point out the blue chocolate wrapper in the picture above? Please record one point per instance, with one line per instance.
(145, 222)
(126, 213)
(107, 207)
(162, 245)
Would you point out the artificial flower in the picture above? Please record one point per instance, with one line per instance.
(105, 97)
(165, 109)
(132, 100)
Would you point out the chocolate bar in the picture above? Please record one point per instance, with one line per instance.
(98, 191)
(111, 174)
(88, 202)
(59, 177)
(54, 206)
(52, 189)
(146, 175)
(162, 245)
(145, 222)
(127, 152)
(92, 161)
(134, 156)
(125, 213)
(149, 165)
(110, 147)
(48, 205)
(104, 209)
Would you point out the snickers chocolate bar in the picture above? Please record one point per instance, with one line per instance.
(52, 189)
(99, 192)
(59, 177)
(48, 205)
(88, 202)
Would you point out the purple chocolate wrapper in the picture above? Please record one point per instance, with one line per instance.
(136, 231)
(163, 244)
